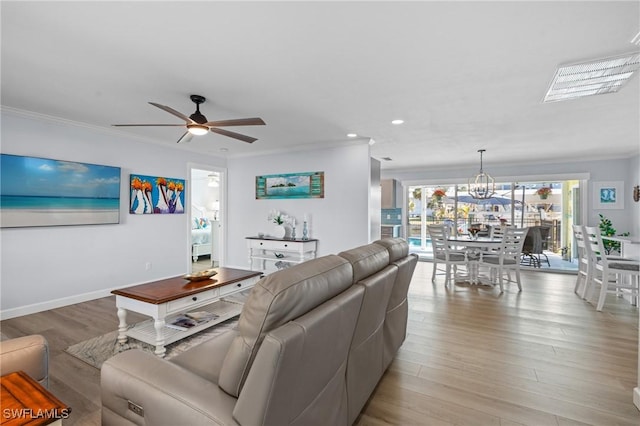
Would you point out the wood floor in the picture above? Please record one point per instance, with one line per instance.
(471, 357)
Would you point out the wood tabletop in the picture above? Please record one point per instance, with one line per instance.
(293, 240)
(27, 402)
(162, 291)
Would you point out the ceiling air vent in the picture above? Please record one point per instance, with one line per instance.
(595, 77)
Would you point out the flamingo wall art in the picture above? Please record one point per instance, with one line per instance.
(156, 195)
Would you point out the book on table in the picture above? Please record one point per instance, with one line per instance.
(191, 319)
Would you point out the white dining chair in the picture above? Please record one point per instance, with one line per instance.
(584, 267)
(614, 275)
(507, 258)
(444, 255)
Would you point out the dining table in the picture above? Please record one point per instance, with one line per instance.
(475, 248)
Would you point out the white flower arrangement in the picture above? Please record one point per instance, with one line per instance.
(278, 218)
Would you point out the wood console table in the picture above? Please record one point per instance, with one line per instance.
(27, 402)
(165, 300)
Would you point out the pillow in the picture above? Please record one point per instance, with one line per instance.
(195, 223)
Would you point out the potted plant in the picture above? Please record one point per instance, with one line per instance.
(279, 221)
(607, 230)
(544, 192)
(438, 194)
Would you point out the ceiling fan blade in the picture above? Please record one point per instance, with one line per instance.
(186, 137)
(237, 122)
(129, 125)
(234, 135)
(174, 112)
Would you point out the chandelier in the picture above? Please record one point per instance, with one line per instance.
(482, 186)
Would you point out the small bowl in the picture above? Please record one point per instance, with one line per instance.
(202, 275)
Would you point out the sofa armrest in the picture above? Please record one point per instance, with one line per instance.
(140, 388)
(29, 354)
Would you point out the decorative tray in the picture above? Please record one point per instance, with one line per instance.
(202, 275)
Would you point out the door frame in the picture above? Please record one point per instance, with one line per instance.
(222, 213)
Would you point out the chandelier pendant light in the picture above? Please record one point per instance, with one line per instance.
(482, 186)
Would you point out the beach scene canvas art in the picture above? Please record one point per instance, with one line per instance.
(46, 192)
(290, 185)
(156, 195)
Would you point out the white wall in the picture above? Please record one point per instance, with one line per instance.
(623, 169)
(47, 267)
(339, 221)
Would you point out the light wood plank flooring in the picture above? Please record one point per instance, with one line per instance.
(471, 357)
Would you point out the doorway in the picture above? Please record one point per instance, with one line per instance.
(206, 221)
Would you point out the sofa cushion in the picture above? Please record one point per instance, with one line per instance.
(275, 300)
(29, 354)
(366, 260)
(298, 376)
(397, 248)
(395, 323)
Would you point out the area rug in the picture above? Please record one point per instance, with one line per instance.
(97, 350)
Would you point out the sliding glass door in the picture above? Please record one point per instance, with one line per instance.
(551, 205)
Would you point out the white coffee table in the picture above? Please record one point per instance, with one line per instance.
(167, 299)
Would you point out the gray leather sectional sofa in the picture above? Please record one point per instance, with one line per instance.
(311, 344)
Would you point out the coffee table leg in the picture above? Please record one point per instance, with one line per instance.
(122, 326)
(158, 324)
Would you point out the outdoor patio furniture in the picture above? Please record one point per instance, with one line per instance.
(534, 244)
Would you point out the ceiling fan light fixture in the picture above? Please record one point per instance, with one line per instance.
(482, 186)
(197, 129)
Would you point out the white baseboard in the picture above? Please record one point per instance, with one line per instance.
(52, 304)
(636, 397)
(70, 300)
(65, 301)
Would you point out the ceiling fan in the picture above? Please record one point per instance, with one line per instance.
(197, 123)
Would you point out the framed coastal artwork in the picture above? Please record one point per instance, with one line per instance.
(608, 195)
(46, 192)
(290, 185)
(156, 195)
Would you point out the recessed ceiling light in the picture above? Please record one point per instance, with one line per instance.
(595, 77)
(352, 135)
(397, 122)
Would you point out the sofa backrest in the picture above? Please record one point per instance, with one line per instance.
(298, 375)
(365, 365)
(395, 323)
(366, 260)
(275, 300)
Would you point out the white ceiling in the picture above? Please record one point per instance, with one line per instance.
(463, 75)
